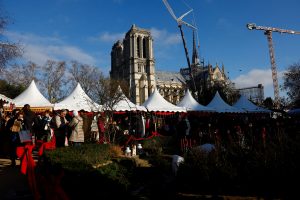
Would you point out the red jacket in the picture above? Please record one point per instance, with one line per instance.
(101, 126)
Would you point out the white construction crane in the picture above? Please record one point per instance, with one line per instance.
(268, 33)
(180, 21)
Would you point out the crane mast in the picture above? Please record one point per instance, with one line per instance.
(268, 33)
(180, 21)
(187, 59)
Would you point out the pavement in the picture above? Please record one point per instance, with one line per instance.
(13, 184)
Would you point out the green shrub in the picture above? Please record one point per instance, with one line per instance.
(117, 172)
(91, 170)
(79, 158)
(158, 145)
(262, 171)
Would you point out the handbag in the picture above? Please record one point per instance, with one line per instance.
(25, 136)
(16, 127)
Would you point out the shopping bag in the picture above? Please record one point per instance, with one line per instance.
(25, 136)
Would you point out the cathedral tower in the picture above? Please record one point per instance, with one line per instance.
(134, 62)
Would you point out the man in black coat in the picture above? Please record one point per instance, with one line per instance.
(29, 118)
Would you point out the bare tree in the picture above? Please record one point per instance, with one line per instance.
(53, 81)
(88, 77)
(108, 96)
(106, 91)
(101, 87)
(8, 50)
(21, 74)
(292, 84)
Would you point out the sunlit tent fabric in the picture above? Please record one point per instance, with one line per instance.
(123, 103)
(5, 98)
(221, 106)
(33, 97)
(191, 104)
(157, 103)
(246, 105)
(78, 100)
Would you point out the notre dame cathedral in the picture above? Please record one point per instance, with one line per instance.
(133, 60)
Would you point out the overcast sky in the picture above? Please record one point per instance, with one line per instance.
(85, 30)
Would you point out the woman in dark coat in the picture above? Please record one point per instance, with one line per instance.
(14, 134)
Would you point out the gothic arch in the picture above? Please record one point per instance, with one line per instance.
(143, 88)
(144, 47)
(138, 46)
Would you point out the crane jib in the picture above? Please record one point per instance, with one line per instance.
(268, 33)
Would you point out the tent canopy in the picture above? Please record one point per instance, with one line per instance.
(191, 104)
(244, 104)
(5, 98)
(33, 97)
(295, 111)
(157, 103)
(221, 106)
(124, 104)
(78, 100)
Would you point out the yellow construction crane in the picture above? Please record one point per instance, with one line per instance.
(268, 33)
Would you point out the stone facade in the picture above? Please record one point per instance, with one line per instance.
(171, 85)
(216, 75)
(204, 76)
(132, 60)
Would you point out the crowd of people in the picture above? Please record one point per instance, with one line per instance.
(231, 130)
(76, 127)
(68, 128)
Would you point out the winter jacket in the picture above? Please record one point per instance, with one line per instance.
(77, 134)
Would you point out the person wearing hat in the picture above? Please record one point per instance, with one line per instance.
(77, 135)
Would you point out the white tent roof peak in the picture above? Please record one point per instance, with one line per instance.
(221, 106)
(32, 96)
(244, 104)
(119, 92)
(124, 104)
(217, 95)
(191, 104)
(77, 100)
(119, 89)
(157, 103)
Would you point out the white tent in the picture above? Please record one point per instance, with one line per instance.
(33, 97)
(295, 111)
(5, 98)
(77, 100)
(157, 103)
(221, 106)
(124, 104)
(191, 104)
(244, 104)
